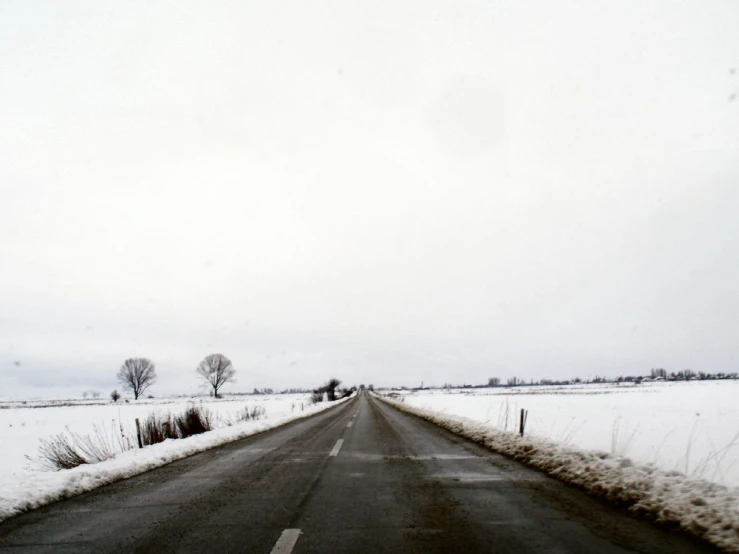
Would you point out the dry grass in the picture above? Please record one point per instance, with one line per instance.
(246, 414)
(65, 452)
(159, 427)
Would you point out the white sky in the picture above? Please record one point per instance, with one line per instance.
(388, 192)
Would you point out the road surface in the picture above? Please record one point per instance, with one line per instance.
(361, 477)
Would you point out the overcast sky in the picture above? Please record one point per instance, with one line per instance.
(386, 192)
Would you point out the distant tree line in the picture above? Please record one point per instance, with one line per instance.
(266, 390)
(656, 374)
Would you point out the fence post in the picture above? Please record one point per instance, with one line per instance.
(524, 417)
(138, 433)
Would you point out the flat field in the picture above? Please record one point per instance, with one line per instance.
(23, 424)
(691, 427)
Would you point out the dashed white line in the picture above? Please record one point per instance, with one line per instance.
(286, 542)
(350, 424)
(337, 447)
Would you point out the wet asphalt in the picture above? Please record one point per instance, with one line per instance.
(360, 477)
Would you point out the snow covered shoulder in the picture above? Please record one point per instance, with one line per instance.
(707, 510)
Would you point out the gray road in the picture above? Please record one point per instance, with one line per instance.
(362, 477)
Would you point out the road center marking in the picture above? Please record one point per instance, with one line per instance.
(286, 542)
(350, 424)
(337, 447)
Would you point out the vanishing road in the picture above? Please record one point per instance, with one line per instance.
(361, 477)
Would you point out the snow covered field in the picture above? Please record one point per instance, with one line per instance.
(23, 485)
(22, 425)
(691, 427)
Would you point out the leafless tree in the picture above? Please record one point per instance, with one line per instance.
(138, 374)
(217, 370)
(330, 388)
(115, 395)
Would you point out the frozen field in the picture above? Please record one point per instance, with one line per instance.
(692, 427)
(23, 424)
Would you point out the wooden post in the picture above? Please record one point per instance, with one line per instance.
(524, 417)
(138, 433)
(520, 425)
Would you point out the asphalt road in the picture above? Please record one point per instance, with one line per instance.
(361, 477)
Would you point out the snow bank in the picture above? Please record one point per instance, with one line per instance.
(701, 508)
(35, 490)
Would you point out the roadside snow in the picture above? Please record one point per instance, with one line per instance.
(691, 427)
(26, 490)
(701, 508)
(23, 424)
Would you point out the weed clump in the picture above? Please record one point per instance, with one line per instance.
(193, 421)
(64, 451)
(246, 414)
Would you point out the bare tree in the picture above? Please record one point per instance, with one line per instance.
(138, 374)
(217, 370)
(330, 388)
(115, 395)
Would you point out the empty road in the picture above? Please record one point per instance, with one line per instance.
(361, 477)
